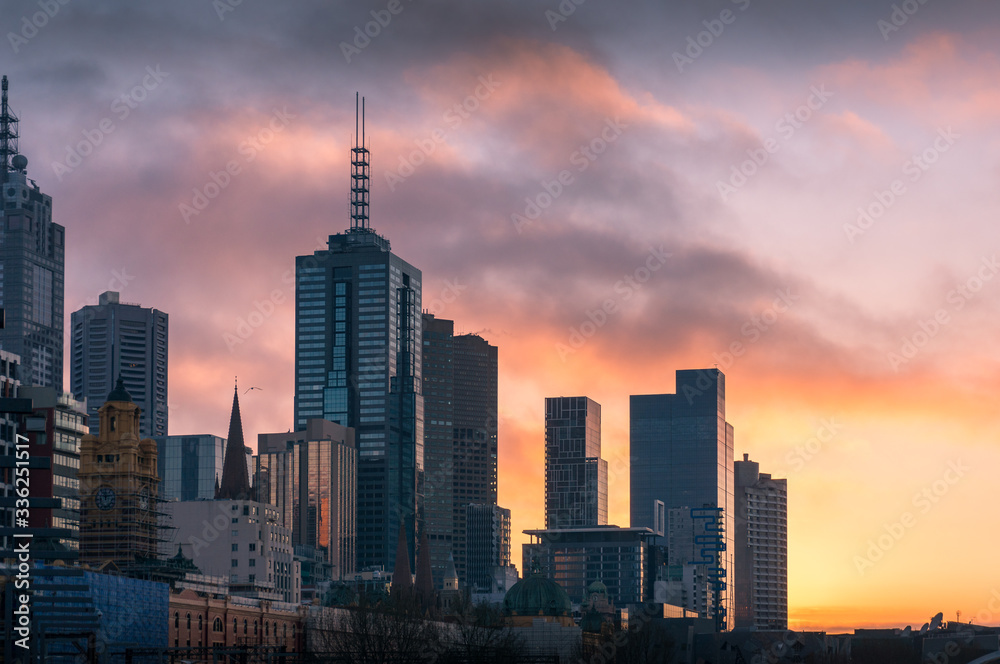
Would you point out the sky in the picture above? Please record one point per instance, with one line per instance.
(803, 194)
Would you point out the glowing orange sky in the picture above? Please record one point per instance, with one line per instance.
(898, 427)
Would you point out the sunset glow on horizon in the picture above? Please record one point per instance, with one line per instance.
(809, 204)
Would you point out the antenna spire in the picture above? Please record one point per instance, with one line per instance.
(360, 171)
(8, 135)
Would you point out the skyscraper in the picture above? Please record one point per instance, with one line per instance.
(358, 352)
(32, 265)
(681, 450)
(460, 434)
(761, 548)
(576, 477)
(438, 376)
(112, 339)
(311, 477)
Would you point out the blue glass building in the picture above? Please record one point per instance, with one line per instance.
(681, 450)
(358, 363)
(122, 612)
(358, 354)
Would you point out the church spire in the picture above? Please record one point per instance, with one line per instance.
(423, 585)
(402, 581)
(235, 483)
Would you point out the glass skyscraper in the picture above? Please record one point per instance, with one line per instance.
(358, 363)
(311, 477)
(32, 265)
(681, 450)
(576, 477)
(112, 339)
(358, 355)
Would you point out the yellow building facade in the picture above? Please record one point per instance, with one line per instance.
(119, 486)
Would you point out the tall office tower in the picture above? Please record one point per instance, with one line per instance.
(10, 383)
(112, 339)
(358, 363)
(32, 265)
(460, 438)
(439, 445)
(576, 477)
(681, 450)
(475, 436)
(761, 548)
(189, 466)
(64, 422)
(311, 476)
(119, 487)
(487, 544)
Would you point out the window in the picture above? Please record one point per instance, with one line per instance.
(234, 563)
(217, 625)
(244, 625)
(236, 547)
(255, 627)
(201, 625)
(234, 626)
(253, 562)
(177, 620)
(189, 620)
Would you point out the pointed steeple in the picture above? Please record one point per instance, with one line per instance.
(451, 574)
(402, 580)
(235, 481)
(424, 583)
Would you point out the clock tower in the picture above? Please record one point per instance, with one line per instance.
(119, 486)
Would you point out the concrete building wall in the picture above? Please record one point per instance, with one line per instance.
(240, 540)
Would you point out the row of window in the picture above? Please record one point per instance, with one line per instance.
(218, 627)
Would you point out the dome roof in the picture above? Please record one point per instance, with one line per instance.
(119, 393)
(537, 595)
(597, 587)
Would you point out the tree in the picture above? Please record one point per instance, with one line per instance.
(389, 632)
(481, 636)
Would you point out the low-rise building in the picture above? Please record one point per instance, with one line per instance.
(577, 557)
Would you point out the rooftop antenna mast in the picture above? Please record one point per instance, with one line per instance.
(360, 172)
(8, 135)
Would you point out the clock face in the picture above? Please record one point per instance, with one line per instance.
(105, 498)
(144, 498)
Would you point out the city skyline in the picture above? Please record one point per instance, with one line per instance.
(806, 203)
